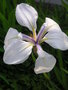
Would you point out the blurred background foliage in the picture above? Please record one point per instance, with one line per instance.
(22, 76)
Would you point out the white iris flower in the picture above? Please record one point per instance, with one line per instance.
(19, 46)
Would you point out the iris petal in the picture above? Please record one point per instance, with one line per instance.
(17, 52)
(51, 25)
(26, 16)
(45, 62)
(12, 35)
(58, 40)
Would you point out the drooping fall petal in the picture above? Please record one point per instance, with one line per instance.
(17, 52)
(58, 40)
(51, 25)
(12, 35)
(45, 62)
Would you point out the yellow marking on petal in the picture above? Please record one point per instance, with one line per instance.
(34, 34)
(48, 27)
(42, 40)
(30, 44)
(45, 30)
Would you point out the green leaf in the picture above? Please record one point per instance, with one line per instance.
(66, 71)
(1, 50)
(4, 21)
(54, 86)
(46, 76)
(14, 85)
(65, 4)
(4, 78)
(58, 76)
(63, 76)
(4, 6)
(11, 18)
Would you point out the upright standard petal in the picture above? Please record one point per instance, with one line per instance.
(26, 15)
(17, 52)
(45, 62)
(58, 40)
(11, 36)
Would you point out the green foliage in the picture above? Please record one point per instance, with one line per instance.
(22, 77)
(65, 4)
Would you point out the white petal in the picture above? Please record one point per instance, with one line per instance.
(11, 36)
(51, 25)
(17, 52)
(26, 15)
(44, 63)
(58, 40)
